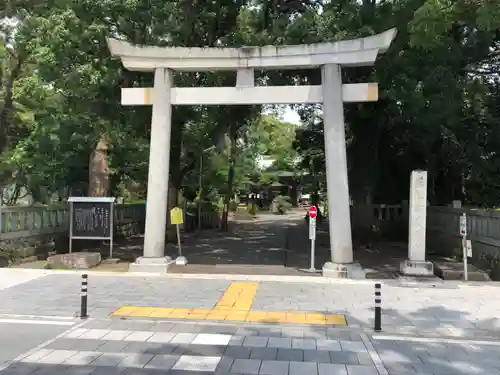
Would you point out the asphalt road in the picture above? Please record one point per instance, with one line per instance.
(21, 334)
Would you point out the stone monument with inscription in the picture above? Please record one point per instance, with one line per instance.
(416, 265)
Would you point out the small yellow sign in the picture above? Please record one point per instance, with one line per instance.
(176, 216)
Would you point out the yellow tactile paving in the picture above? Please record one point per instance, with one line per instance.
(234, 306)
(238, 296)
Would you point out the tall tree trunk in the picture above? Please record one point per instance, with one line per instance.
(99, 172)
(8, 103)
(230, 177)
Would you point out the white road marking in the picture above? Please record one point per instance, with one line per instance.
(10, 277)
(434, 340)
(377, 361)
(41, 346)
(37, 322)
(45, 317)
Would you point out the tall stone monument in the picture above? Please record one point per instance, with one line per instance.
(416, 265)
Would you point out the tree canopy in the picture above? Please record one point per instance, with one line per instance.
(439, 106)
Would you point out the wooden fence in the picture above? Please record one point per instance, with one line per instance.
(483, 229)
(31, 221)
(443, 224)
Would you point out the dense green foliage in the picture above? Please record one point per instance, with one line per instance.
(439, 106)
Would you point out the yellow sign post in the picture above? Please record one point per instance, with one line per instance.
(177, 218)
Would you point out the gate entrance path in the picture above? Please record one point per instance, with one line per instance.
(257, 247)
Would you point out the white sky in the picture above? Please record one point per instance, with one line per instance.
(291, 116)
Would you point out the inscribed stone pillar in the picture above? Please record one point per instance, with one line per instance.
(336, 174)
(418, 216)
(416, 265)
(154, 259)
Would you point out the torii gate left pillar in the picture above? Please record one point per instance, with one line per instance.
(330, 57)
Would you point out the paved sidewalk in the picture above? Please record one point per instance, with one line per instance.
(111, 346)
(147, 348)
(449, 309)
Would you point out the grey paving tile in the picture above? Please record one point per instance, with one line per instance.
(331, 369)
(269, 332)
(277, 342)
(162, 327)
(20, 368)
(304, 344)
(264, 353)
(274, 368)
(290, 355)
(238, 352)
(109, 371)
(224, 366)
(80, 370)
(391, 356)
(183, 338)
(255, 341)
(223, 330)
(131, 325)
(88, 345)
(140, 336)
(136, 360)
(149, 348)
(237, 340)
(344, 358)
(56, 357)
(245, 331)
(292, 332)
(142, 371)
(201, 350)
(246, 366)
(162, 362)
(98, 324)
(316, 356)
(302, 368)
(82, 358)
(361, 370)
(162, 337)
(63, 344)
(94, 334)
(50, 370)
(113, 346)
(197, 363)
(364, 359)
(108, 359)
(330, 345)
(185, 328)
(353, 346)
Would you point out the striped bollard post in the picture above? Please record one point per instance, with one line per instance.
(83, 296)
(378, 308)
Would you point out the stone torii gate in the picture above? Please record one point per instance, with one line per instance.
(330, 57)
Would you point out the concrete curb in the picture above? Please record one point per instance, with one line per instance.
(264, 278)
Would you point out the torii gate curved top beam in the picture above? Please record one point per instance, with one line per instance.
(355, 52)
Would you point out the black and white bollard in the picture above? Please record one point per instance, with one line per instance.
(83, 295)
(378, 308)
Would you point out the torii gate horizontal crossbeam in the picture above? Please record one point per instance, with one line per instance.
(355, 52)
(356, 92)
